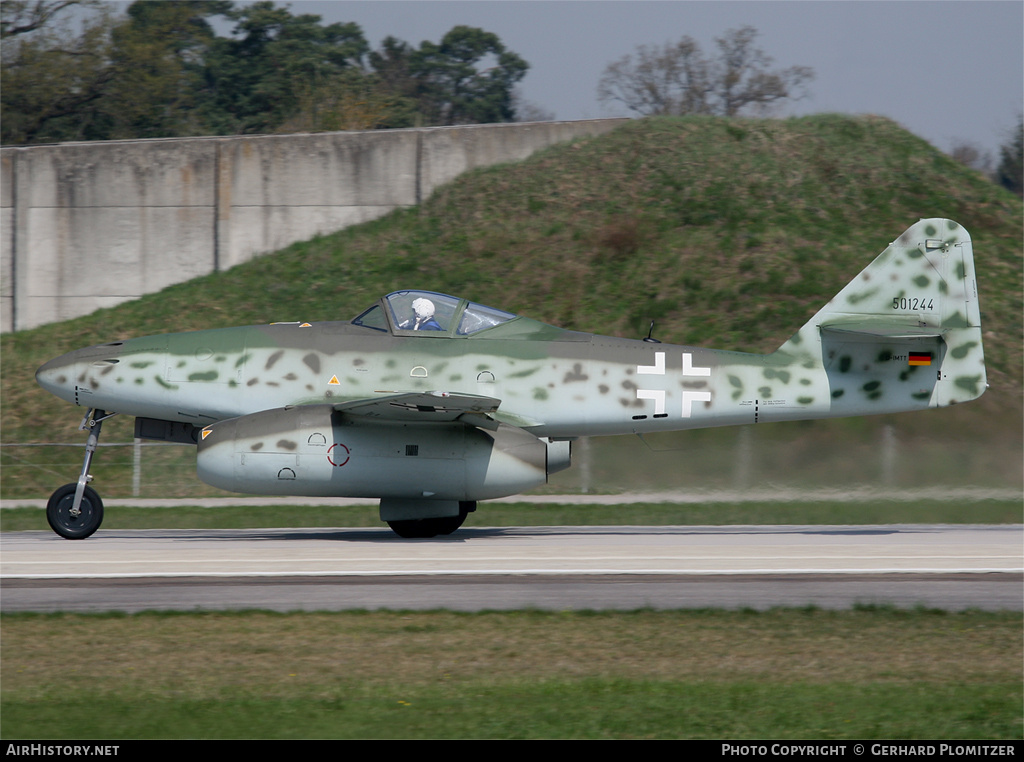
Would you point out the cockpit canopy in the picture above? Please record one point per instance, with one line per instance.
(429, 313)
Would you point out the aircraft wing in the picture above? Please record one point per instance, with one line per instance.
(426, 407)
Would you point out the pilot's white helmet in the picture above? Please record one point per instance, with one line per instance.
(423, 308)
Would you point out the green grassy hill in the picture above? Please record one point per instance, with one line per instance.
(727, 233)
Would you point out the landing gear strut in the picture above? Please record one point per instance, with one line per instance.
(75, 511)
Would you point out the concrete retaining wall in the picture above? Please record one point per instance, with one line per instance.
(90, 225)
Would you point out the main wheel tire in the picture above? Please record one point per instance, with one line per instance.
(420, 528)
(58, 513)
(413, 528)
(449, 524)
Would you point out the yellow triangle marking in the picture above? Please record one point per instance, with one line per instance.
(334, 381)
(206, 433)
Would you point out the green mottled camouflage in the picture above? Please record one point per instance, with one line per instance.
(919, 295)
(904, 335)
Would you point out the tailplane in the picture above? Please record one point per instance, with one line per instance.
(905, 334)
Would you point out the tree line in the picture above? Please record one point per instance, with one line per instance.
(162, 70)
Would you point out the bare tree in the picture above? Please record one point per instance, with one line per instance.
(741, 76)
(678, 78)
(672, 79)
(970, 155)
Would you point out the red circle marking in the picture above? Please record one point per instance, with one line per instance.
(331, 456)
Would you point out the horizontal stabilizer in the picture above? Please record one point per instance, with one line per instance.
(886, 330)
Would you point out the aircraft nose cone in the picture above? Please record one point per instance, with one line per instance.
(58, 376)
(61, 375)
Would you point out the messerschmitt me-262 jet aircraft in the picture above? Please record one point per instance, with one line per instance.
(431, 402)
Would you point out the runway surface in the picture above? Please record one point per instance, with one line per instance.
(950, 567)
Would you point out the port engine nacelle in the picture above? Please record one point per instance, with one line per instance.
(315, 451)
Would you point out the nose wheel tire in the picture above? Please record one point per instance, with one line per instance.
(71, 526)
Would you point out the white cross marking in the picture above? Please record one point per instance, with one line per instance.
(658, 369)
(658, 395)
(689, 370)
(690, 397)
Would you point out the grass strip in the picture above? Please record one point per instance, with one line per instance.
(872, 672)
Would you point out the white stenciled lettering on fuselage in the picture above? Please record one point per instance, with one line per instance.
(658, 395)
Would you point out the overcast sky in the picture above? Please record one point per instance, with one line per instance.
(948, 71)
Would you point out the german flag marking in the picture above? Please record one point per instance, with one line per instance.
(919, 358)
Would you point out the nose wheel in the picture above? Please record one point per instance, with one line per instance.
(75, 511)
(70, 521)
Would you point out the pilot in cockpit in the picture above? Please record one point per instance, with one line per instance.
(423, 317)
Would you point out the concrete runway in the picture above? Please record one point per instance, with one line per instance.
(949, 567)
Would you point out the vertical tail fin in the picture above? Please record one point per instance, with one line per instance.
(905, 334)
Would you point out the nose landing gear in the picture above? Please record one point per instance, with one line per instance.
(75, 511)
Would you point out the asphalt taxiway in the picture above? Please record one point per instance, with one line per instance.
(477, 568)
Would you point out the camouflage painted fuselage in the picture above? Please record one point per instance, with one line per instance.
(904, 335)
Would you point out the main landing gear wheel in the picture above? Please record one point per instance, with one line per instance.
(412, 529)
(68, 523)
(420, 528)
